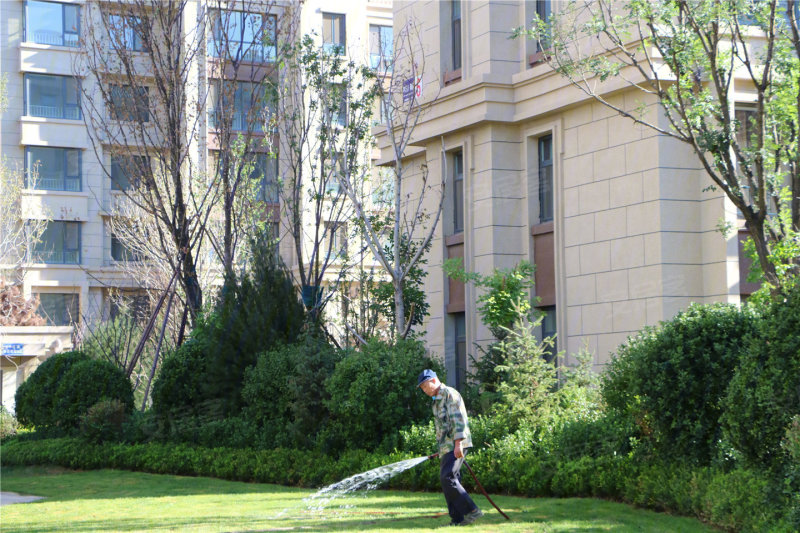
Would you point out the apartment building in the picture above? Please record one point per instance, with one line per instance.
(617, 219)
(75, 267)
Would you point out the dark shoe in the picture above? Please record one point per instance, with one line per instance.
(471, 517)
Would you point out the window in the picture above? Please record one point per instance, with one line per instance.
(336, 111)
(549, 330)
(333, 172)
(265, 170)
(130, 303)
(543, 11)
(53, 169)
(52, 23)
(130, 103)
(781, 13)
(121, 252)
(546, 178)
(380, 47)
(455, 32)
(126, 33)
(127, 171)
(746, 116)
(336, 240)
(241, 36)
(52, 96)
(60, 244)
(59, 309)
(458, 192)
(242, 103)
(333, 33)
(460, 349)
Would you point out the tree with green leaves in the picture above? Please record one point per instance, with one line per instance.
(693, 57)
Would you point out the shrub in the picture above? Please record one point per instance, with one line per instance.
(671, 379)
(258, 312)
(36, 398)
(177, 390)
(373, 394)
(763, 394)
(104, 421)
(8, 423)
(284, 392)
(85, 384)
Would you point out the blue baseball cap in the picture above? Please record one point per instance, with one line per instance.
(425, 376)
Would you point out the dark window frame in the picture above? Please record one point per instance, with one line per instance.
(73, 303)
(458, 191)
(64, 32)
(127, 106)
(39, 255)
(255, 51)
(545, 166)
(64, 106)
(455, 34)
(39, 185)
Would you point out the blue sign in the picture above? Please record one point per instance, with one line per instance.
(13, 348)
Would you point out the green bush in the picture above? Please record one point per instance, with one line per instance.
(257, 312)
(672, 379)
(86, 383)
(764, 394)
(373, 393)
(35, 399)
(284, 392)
(177, 391)
(104, 421)
(8, 423)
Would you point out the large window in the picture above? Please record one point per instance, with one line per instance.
(59, 309)
(380, 47)
(334, 38)
(241, 36)
(52, 23)
(52, 96)
(265, 170)
(458, 192)
(130, 103)
(53, 169)
(59, 244)
(333, 168)
(126, 33)
(543, 11)
(127, 171)
(133, 304)
(240, 102)
(455, 32)
(122, 252)
(546, 178)
(336, 240)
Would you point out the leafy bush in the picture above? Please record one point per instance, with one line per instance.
(103, 422)
(86, 383)
(255, 313)
(8, 423)
(177, 392)
(36, 398)
(284, 392)
(763, 394)
(672, 379)
(373, 393)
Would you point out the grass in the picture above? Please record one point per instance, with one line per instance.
(110, 500)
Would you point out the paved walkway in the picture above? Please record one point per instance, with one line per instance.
(7, 498)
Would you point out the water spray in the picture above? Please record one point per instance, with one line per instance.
(478, 483)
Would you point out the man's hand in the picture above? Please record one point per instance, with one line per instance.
(457, 451)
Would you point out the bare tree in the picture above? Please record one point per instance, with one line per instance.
(324, 114)
(689, 57)
(409, 220)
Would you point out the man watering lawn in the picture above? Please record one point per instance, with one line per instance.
(452, 434)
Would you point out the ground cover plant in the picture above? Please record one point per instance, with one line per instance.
(109, 500)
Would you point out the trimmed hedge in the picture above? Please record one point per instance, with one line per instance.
(741, 500)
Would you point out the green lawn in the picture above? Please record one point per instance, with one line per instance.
(109, 500)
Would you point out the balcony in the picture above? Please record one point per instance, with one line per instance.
(239, 122)
(57, 257)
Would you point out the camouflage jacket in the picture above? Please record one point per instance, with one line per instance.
(450, 419)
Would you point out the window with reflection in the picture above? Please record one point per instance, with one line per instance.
(51, 96)
(52, 23)
(128, 171)
(53, 169)
(380, 47)
(59, 244)
(334, 36)
(242, 103)
(242, 36)
(126, 32)
(131, 104)
(59, 309)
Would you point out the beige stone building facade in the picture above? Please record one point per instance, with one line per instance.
(616, 218)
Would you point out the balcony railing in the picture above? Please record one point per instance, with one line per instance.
(57, 182)
(239, 122)
(48, 111)
(56, 38)
(57, 257)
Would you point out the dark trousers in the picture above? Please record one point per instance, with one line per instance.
(458, 501)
